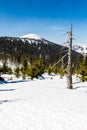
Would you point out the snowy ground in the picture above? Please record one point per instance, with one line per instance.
(43, 105)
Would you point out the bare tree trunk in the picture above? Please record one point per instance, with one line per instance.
(69, 67)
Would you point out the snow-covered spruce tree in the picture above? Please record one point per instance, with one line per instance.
(36, 69)
(82, 70)
(55, 70)
(59, 70)
(49, 70)
(62, 72)
(1, 71)
(6, 69)
(17, 72)
(24, 67)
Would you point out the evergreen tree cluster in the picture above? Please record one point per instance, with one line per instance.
(30, 70)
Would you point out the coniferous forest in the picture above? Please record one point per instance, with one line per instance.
(37, 57)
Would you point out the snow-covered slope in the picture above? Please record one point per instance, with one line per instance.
(43, 105)
(34, 38)
(81, 49)
(31, 36)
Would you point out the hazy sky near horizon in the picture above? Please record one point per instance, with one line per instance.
(47, 18)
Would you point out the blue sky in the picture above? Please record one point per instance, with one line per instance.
(47, 18)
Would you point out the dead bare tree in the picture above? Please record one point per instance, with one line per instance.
(69, 66)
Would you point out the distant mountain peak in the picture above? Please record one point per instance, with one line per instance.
(31, 36)
(80, 49)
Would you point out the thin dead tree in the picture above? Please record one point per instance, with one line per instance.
(69, 66)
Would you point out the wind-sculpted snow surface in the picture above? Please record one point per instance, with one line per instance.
(43, 105)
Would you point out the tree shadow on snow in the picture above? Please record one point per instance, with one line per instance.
(3, 90)
(77, 82)
(3, 82)
(18, 81)
(80, 87)
(6, 101)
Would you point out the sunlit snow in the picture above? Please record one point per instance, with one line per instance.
(43, 104)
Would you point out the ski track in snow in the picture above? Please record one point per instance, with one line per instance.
(32, 113)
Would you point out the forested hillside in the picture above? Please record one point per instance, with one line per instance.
(16, 48)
